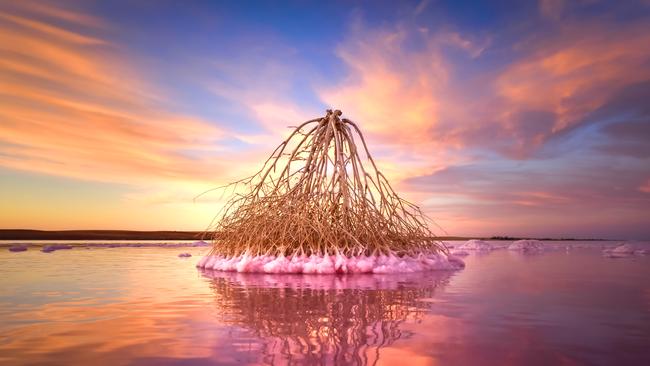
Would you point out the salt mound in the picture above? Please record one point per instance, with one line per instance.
(527, 245)
(476, 245)
(330, 264)
(624, 250)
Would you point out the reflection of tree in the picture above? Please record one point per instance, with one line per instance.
(324, 319)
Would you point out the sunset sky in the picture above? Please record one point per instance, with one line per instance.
(497, 118)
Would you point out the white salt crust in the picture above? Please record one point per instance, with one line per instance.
(330, 264)
(625, 250)
(476, 245)
(527, 245)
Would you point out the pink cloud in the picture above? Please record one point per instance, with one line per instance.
(414, 97)
(646, 187)
(399, 95)
(575, 71)
(394, 91)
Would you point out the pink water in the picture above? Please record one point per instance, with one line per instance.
(125, 306)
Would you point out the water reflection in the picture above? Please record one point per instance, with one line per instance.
(325, 319)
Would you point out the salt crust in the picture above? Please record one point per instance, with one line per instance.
(625, 250)
(330, 264)
(475, 244)
(527, 245)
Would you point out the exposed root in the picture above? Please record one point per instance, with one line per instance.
(319, 194)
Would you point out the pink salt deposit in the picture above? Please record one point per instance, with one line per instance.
(330, 264)
(475, 244)
(527, 245)
(624, 250)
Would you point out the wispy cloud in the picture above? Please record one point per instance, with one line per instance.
(397, 87)
(563, 79)
(551, 86)
(70, 105)
(391, 89)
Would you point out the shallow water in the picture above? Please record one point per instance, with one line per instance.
(121, 306)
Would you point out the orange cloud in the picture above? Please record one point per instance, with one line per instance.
(572, 74)
(411, 97)
(70, 106)
(58, 13)
(399, 95)
(391, 90)
(402, 94)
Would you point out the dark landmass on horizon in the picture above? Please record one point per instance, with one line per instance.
(25, 234)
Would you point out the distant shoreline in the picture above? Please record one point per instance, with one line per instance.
(20, 234)
(25, 234)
